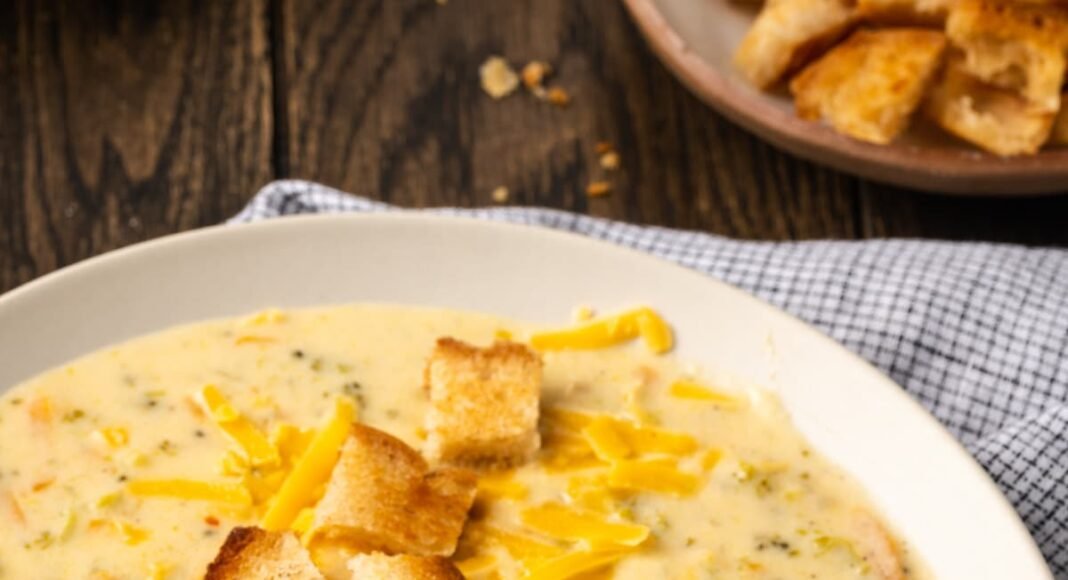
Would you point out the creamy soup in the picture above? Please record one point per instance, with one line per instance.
(729, 490)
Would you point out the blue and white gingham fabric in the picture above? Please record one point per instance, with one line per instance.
(977, 333)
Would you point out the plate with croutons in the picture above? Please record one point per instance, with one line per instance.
(952, 96)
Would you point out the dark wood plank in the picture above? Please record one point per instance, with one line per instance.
(383, 99)
(893, 212)
(124, 120)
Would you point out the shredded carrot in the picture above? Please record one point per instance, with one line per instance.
(193, 406)
(16, 510)
(43, 484)
(40, 410)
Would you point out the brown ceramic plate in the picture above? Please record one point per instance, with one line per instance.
(696, 39)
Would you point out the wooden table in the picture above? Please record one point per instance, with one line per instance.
(125, 120)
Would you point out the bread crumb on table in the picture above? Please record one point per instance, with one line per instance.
(500, 194)
(609, 160)
(598, 189)
(559, 97)
(498, 78)
(534, 74)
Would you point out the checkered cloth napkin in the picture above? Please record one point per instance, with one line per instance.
(978, 333)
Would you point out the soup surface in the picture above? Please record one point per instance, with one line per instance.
(730, 489)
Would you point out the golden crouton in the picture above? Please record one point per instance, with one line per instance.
(255, 554)
(403, 567)
(869, 86)
(904, 12)
(382, 497)
(483, 403)
(789, 33)
(1060, 126)
(998, 120)
(1013, 45)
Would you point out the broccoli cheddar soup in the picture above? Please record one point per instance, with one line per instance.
(394, 442)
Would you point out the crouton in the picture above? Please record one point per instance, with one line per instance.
(789, 33)
(383, 497)
(998, 120)
(869, 86)
(1013, 45)
(905, 12)
(402, 567)
(256, 554)
(878, 548)
(1060, 126)
(483, 403)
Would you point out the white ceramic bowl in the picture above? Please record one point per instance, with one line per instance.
(930, 489)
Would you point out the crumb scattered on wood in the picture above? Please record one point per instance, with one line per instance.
(609, 160)
(559, 97)
(500, 194)
(534, 74)
(498, 78)
(598, 188)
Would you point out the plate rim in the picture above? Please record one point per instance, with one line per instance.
(10, 301)
(958, 172)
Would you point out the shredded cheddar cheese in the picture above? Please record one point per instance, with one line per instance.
(610, 331)
(238, 428)
(520, 547)
(655, 331)
(501, 486)
(690, 390)
(264, 317)
(312, 470)
(655, 475)
(711, 459)
(480, 564)
(110, 437)
(253, 339)
(303, 522)
(563, 523)
(616, 440)
(575, 563)
(290, 441)
(591, 492)
(567, 454)
(565, 419)
(230, 493)
(606, 440)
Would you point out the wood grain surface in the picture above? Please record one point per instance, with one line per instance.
(125, 120)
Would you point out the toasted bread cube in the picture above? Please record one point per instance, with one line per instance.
(998, 120)
(483, 403)
(905, 12)
(403, 567)
(256, 554)
(869, 86)
(382, 497)
(789, 33)
(1060, 126)
(1013, 45)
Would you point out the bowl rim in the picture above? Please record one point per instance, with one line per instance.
(935, 169)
